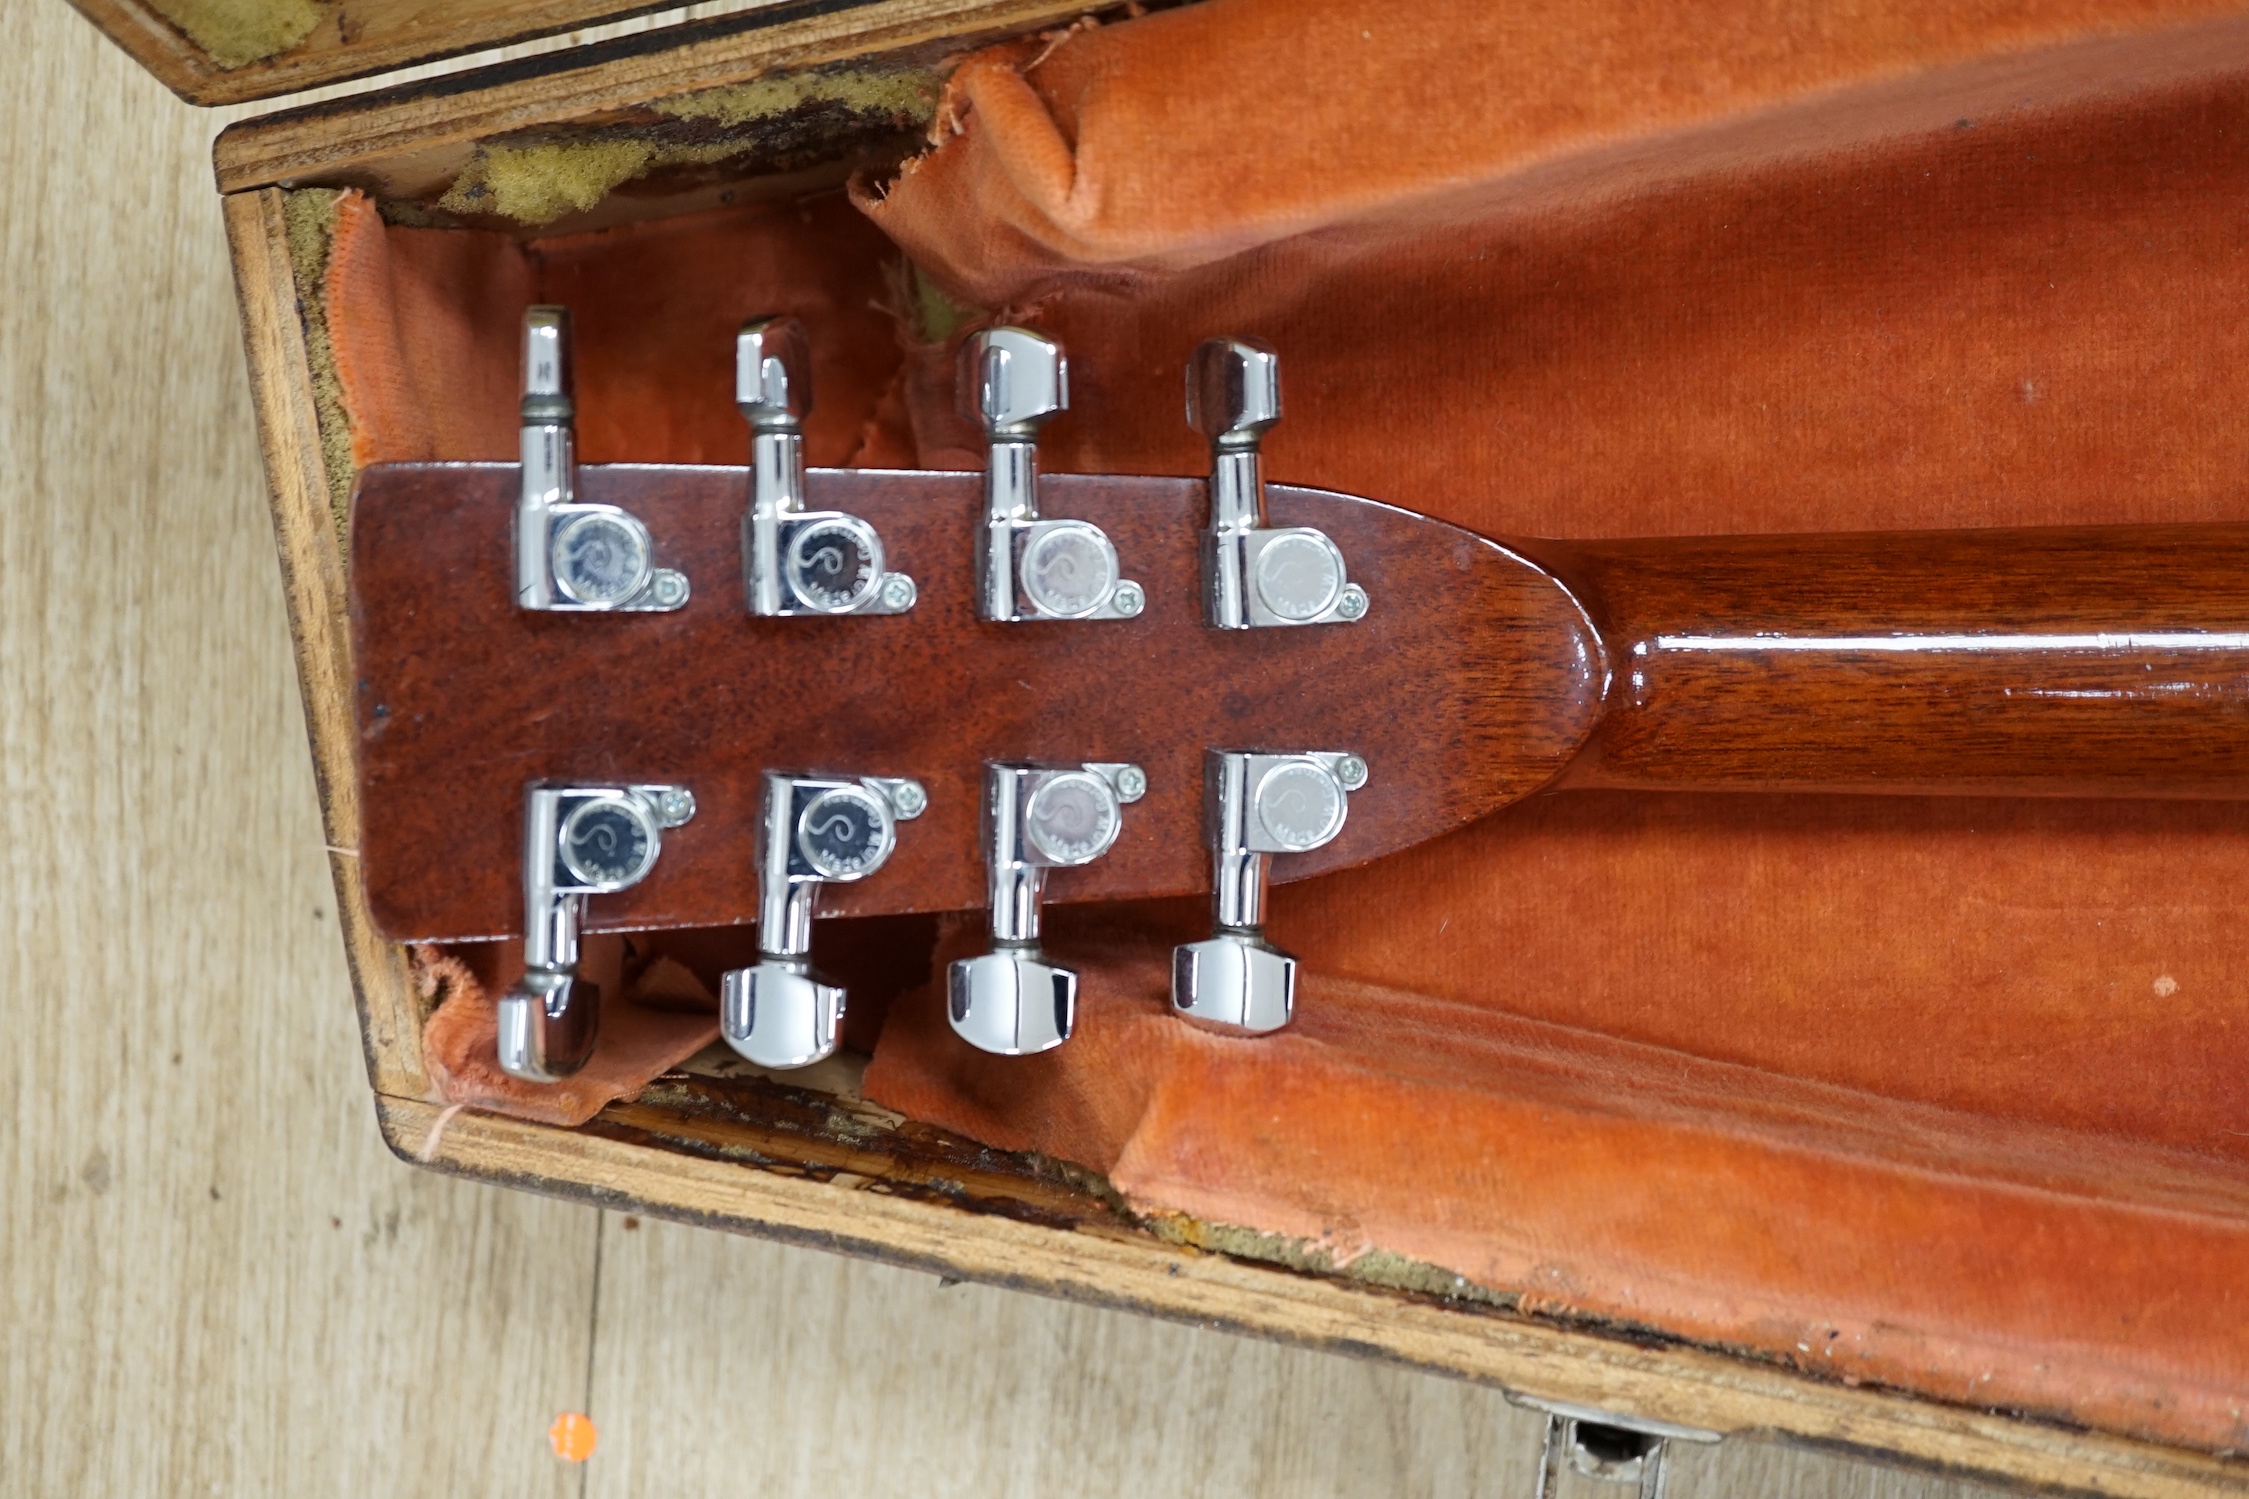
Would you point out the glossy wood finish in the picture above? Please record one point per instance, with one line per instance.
(1469, 683)
(2069, 661)
(2085, 661)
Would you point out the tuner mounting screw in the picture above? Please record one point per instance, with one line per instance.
(668, 588)
(1128, 600)
(1132, 783)
(898, 592)
(909, 799)
(1352, 603)
(675, 806)
(1351, 771)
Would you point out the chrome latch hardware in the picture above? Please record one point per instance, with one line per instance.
(1623, 1451)
(577, 841)
(572, 557)
(1255, 575)
(1012, 380)
(1011, 1000)
(794, 560)
(818, 830)
(1258, 806)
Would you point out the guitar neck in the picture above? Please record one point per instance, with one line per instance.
(2070, 662)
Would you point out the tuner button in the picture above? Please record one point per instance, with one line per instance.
(1234, 982)
(548, 1023)
(1011, 380)
(773, 372)
(546, 365)
(777, 1014)
(1011, 1002)
(1233, 390)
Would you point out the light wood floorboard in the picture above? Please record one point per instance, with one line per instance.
(216, 1280)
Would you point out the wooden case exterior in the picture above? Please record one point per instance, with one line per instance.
(377, 36)
(754, 1162)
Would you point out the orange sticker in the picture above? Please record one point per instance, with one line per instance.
(572, 1436)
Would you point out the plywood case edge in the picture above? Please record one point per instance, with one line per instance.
(1121, 1269)
(341, 46)
(312, 576)
(344, 142)
(1138, 1273)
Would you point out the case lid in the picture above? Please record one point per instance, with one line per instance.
(234, 51)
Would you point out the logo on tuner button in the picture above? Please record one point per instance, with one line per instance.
(607, 843)
(1300, 805)
(1071, 818)
(601, 558)
(844, 833)
(1069, 568)
(835, 564)
(1299, 574)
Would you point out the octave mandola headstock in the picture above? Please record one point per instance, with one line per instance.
(648, 697)
(1470, 679)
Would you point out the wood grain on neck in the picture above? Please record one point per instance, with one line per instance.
(2086, 661)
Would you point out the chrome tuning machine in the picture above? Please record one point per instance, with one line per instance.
(818, 830)
(1255, 575)
(1259, 806)
(1011, 381)
(794, 560)
(578, 841)
(572, 557)
(1011, 1000)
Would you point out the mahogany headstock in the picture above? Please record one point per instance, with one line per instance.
(1469, 682)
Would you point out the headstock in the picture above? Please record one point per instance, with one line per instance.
(1466, 684)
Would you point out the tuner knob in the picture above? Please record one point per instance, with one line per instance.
(818, 830)
(1261, 806)
(578, 841)
(572, 557)
(1256, 576)
(797, 561)
(1012, 1000)
(1011, 382)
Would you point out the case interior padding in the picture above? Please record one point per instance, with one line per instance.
(1939, 1094)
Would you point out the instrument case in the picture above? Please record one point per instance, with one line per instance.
(1906, 1125)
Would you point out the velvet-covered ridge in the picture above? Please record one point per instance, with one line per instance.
(1941, 1094)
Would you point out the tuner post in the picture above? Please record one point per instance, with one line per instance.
(1254, 575)
(1012, 1001)
(1012, 381)
(578, 841)
(1258, 805)
(571, 557)
(797, 561)
(778, 1013)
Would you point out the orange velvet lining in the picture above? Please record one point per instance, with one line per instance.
(426, 325)
(1945, 1095)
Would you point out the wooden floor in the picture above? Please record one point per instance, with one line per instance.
(216, 1280)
